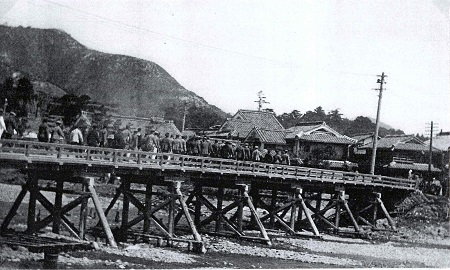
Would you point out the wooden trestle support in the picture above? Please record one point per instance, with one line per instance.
(332, 211)
(229, 207)
(370, 212)
(160, 205)
(57, 212)
(285, 208)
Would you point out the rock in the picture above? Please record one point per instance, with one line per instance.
(20, 248)
(95, 245)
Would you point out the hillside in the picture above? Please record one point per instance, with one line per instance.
(57, 63)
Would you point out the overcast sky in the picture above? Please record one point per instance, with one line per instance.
(301, 54)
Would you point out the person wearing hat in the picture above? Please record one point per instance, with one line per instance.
(57, 133)
(247, 152)
(11, 126)
(2, 123)
(256, 154)
(227, 150)
(205, 147)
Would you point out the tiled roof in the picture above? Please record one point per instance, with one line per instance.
(267, 136)
(339, 164)
(411, 166)
(238, 128)
(164, 128)
(401, 142)
(293, 131)
(359, 137)
(263, 120)
(325, 138)
(441, 142)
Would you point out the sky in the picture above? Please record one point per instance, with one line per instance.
(302, 54)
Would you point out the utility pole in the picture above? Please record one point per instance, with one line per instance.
(184, 117)
(430, 155)
(261, 100)
(377, 124)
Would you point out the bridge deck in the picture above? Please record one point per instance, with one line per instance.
(26, 152)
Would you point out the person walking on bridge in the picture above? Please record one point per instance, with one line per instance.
(11, 126)
(256, 154)
(247, 152)
(93, 136)
(183, 145)
(2, 123)
(166, 145)
(76, 137)
(57, 133)
(44, 131)
(205, 147)
(286, 160)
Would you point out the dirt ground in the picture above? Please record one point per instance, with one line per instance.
(422, 240)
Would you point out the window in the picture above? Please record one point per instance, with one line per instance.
(306, 148)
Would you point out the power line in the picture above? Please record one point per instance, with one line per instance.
(167, 36)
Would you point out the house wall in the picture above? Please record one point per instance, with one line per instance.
(386, 156)
(313, 150)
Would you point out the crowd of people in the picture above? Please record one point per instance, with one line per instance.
(150, 140)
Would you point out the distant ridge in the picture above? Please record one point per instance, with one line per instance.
(57, 63)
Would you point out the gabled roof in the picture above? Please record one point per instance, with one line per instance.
(317, 132)
(236, 127)
(309, 128)
(244, 121)
(401, 142)
(260, 119)
(441, 141)
(326, 138)
(362, 136)
(267, 136)
(306, 127)
(165, 127)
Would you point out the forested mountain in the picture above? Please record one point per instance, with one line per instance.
(55, 62)
(335, 120)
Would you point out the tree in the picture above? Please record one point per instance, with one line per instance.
(70, 106)
(288, 120)
(19, 92)
(312, 116)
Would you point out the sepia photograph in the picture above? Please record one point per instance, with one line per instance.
(237, 134)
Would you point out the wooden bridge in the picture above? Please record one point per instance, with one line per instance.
(166, 195)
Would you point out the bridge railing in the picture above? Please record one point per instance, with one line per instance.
(32, 151)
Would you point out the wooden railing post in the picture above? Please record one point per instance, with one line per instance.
(27, 149)
(59, 152)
